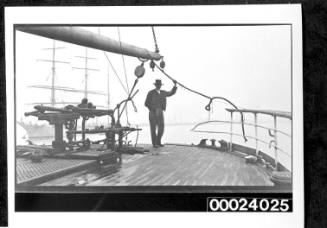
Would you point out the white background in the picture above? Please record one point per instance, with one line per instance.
(186, 14)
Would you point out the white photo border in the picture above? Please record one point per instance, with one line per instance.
(224, 14)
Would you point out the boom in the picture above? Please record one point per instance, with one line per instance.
(76, 35)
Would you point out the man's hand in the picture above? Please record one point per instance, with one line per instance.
(175, 82)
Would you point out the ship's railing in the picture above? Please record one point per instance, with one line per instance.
(273, 132)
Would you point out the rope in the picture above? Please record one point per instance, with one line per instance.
(191, 90)
(127, 120)
(124, 66)
(137, 136)
(207, 107)
(155, 40)
(129, 98)
(112, 67)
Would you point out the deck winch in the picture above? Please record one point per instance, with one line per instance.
(68, 117)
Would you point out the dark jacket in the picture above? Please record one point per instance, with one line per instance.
(155, 100)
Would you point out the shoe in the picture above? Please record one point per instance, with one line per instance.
(155, 146)
(161, 145)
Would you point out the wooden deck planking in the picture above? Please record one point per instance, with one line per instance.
(28, 171)
(176, 165)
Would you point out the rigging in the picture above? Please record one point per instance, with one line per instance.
(124, 66)
(211, 99)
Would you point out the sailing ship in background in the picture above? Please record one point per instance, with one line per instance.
(38, 132)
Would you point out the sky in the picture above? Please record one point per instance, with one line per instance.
(249, 65)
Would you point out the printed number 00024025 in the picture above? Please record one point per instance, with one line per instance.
(248, 205)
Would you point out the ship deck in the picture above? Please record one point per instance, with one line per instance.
(30, 173)
(173, 165)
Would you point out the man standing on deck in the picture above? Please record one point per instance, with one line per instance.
(156, 103)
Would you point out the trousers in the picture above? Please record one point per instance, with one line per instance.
(157, 125)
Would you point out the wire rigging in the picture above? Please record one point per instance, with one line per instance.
(124, 67)
(155, 40)
(116, 74)
(113, 68)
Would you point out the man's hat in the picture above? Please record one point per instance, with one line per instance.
(84, 100)
(158, 82)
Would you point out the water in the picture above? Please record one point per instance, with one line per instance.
(183, 134)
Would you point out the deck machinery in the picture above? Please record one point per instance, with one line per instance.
(111, 146)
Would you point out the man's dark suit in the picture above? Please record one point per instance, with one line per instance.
(156, 103)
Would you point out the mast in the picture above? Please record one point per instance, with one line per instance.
(53, 98)
(53, 87)
(108, 93)
(86, 71)
(53, 70)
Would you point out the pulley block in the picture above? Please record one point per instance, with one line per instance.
(139, 71)
(162, 64)
(152, 65)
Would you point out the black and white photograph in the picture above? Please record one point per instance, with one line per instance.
(97, 111)
(155, 105)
